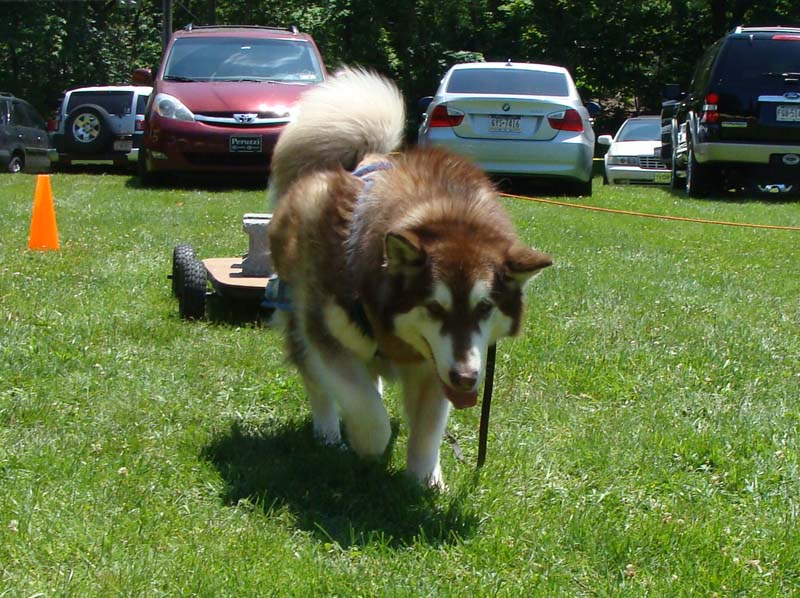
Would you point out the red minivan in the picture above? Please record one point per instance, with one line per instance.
(221, 97)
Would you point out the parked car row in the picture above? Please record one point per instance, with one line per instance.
(222, 95)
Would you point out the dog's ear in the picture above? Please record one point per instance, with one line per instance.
(524, 263)
(403, 252)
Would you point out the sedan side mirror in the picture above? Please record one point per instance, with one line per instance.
(594, 109)
(605, 139)
(423, 104)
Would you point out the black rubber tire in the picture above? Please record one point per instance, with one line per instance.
(582, 188)
(88, 129)
(676, 183)
(699, 179)
(181, 256)
(147, 177)
(192, 301)
(15, 165)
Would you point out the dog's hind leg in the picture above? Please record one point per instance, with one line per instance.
(350, 383)
(324, 415)
(427, 411)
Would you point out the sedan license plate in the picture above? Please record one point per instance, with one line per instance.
(245, 143)
(788, 113)
(123, 146)
(663, 177)
(499, 123)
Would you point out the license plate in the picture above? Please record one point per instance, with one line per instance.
(505, 124)
(123, 146)
(785, 113)
(663, 177)
(245, 143)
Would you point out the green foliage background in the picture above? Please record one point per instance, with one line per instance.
(620, 50)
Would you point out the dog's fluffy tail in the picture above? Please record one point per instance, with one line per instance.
(354, 113)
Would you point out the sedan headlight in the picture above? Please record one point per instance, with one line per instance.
(624, 160)
(168, 106)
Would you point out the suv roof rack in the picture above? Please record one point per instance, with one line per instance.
(290, 29)
(766, 29)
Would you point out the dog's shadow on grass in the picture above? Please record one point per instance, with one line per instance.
(332, 493)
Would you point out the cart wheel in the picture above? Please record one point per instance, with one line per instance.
(192, 300)
(181, 256)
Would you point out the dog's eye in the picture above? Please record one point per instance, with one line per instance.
(483, 308)
(436, 310)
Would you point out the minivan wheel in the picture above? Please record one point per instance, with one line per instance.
(147, 177)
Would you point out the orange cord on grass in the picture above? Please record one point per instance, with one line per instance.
(645, 215)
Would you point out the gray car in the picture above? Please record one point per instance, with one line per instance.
(23, 136)
(514, 119)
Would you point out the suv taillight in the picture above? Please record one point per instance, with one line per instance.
(710, 109)
(442, 116)
(139, 125)
(52, 124)
(568, 120)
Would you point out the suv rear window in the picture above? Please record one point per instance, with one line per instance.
(762, 62)
(242, 59)
(114, 102)
(508, 81)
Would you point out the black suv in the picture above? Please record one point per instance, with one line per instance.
(24, 141)
(739, 123)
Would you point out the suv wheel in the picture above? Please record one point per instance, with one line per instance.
(15, 165)
(88, 129)
(700, 180)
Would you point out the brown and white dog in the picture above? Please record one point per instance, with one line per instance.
(398, 264)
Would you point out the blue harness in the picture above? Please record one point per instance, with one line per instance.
(278, 294)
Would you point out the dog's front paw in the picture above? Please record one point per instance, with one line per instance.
(435, 481)
(328, 435)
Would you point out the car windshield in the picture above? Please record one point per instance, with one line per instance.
(640, 130)
(242, 59)
(508, 81)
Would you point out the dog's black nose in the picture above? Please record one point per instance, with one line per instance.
(463, 378)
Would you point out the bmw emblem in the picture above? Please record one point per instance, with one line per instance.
(506, 107)
(791, 159)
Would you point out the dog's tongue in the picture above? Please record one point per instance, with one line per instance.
(461, 400)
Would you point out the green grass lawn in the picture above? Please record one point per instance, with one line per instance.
(644, 434)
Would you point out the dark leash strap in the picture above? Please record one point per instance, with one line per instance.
(486, 405)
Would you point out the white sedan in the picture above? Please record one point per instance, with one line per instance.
(634, 155)
(514, 120)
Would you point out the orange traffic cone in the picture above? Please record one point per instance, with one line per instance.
(44, 232)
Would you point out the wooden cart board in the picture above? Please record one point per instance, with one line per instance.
(225, 274)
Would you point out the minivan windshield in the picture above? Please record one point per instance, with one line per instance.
(508, 81)
(242, 59)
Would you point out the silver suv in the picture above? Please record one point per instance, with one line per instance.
(100, 124)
